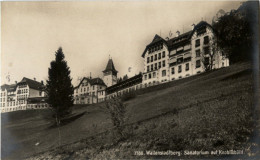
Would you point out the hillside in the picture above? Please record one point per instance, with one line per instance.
(210, 111)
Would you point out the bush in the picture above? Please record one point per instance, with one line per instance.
(117, 111)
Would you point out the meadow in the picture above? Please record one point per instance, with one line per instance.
(213, 111)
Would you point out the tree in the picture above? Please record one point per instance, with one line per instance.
(210, 54)
(125, 77)
(235, 31)
(59, 87)
(117, 110)
(119, 80)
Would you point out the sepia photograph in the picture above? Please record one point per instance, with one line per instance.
(129, 79)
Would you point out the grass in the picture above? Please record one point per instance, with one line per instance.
(210, 111)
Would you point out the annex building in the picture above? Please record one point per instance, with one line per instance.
(26, 94)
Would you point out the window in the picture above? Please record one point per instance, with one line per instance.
(197, 63)
(197, 43)
(187, 66)
(222, 64)
(159, 56)
(84, 89)
(149, 75)
(206, 50)
(155, 57)
(155, 66)
(163, 63)
(148, 59)
(161, 46)
(163, 54)
(151, 58)
(147, 68)
(198, 53)
(154, 74)
(76, 90)
(163, 73)
(145, 77)
(151, 67)
(206, 39)
(179, 69)
(173, 70)
(93, 87)
(159, 65)
(179, 60)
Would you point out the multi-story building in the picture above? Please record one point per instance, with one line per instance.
(186, 54)
(16, 96)
(89, 90)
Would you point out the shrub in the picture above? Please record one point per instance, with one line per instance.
(117, 112)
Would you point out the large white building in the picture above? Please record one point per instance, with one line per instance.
(186, 54)
(27, 94)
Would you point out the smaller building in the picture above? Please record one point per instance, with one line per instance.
(20, 96)
(89, 91)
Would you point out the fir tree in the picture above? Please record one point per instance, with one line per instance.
(59, 87)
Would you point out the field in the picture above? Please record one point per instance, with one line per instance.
(207, 112)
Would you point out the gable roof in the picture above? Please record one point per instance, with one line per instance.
(155, 40)
(8, 87)
(32, 83)
(5, 87)
(92, 81)
(180, 40)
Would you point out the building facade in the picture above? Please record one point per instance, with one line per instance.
(89, 91)
(185, 55)
(20, 96)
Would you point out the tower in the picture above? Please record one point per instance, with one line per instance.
(110, 74)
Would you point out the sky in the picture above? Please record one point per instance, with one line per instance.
(89, 32)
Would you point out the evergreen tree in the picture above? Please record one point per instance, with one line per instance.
(59, 87)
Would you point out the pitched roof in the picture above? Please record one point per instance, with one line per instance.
(180, 40)
(97, 81)
(156, 39)
(32, 83)
(110, 66)
(8, 87)
(5, 87)
(92, 81)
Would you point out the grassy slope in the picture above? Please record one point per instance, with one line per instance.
(207, 111)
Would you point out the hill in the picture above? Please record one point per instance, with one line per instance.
(211, 111)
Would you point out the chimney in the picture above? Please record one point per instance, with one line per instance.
(192, 26)
(15, 82)
(42, 82)
(34, 78)
(177, 33)
(90, 76)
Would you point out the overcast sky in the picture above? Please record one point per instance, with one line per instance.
(89, 32)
